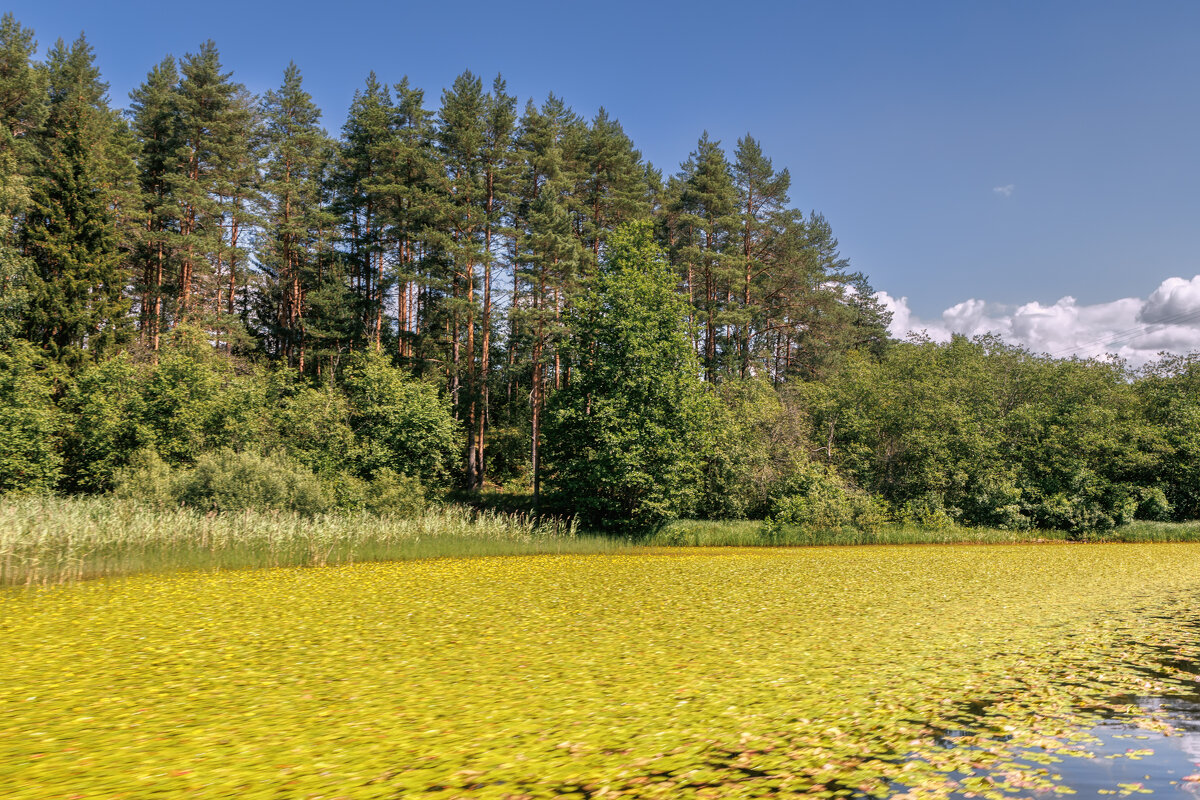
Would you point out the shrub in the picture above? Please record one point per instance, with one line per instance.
(816, 498)
(29, 423)
(403, 424)
(225, 481)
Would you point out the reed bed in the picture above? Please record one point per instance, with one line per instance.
(48, 540)
(750, 533)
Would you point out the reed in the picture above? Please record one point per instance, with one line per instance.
(45, 540)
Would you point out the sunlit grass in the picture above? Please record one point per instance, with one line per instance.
(752, 533)
(56, 540)
(667, 673)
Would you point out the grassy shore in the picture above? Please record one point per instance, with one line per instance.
(55, 540)
(46, 540)
(752, 533)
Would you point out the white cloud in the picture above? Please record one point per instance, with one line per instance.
(1004, 191)
(1133, 328)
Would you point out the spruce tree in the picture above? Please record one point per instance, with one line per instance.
(76, 290)
(22, 109)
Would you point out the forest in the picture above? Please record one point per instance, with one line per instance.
(207, 300)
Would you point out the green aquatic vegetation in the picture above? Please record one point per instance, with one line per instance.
(663, 673)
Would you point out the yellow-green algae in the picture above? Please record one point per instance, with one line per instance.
(708, 673)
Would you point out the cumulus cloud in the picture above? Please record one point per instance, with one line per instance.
(1004, 191)
(1136, 329)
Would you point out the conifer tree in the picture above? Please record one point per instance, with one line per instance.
(549, 253)
(461, 144)
(296, 152)
(613, 190)
(22, 109)
(215, 122)
(366, 136)
(154, 110)
(414, 192)
(762, 213)
(704, 223)
(499, 166)
(70, 232)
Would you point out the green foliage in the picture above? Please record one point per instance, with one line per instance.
(224, 481)
(621, 446)
(987, 434)
(198, 400)
(755, 438)
(402, 424)
(313, 425)
(815, 498)
(29, 422)
(107, 422)
(1169, 390)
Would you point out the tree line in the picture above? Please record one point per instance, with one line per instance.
(453, 239)
(480, 294)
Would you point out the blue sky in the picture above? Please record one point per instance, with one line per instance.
(1010, 152)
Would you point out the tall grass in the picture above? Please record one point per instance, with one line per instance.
(749, 533)
(55, 540)
(46, 540)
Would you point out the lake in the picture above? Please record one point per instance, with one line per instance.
(934, 671)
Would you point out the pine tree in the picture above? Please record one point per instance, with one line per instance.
(296, 152)
(215, 130)
(239, 200)
(703, 217)
(154, 110)
(549, 254)
(413, 192)
(499, 168)
(461, 139)
(366, 136)
(613, 190)
(762, 213)
(70, 232)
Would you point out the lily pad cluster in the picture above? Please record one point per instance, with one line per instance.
(875, 671)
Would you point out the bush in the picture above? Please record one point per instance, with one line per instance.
(402, 424)
(225, 481)
(29, 423)
(388, 494)
(107, 414)
(197, 400)
(816, 498)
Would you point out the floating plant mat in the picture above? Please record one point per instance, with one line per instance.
(705, 673)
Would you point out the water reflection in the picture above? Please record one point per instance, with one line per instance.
(1131, 762)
